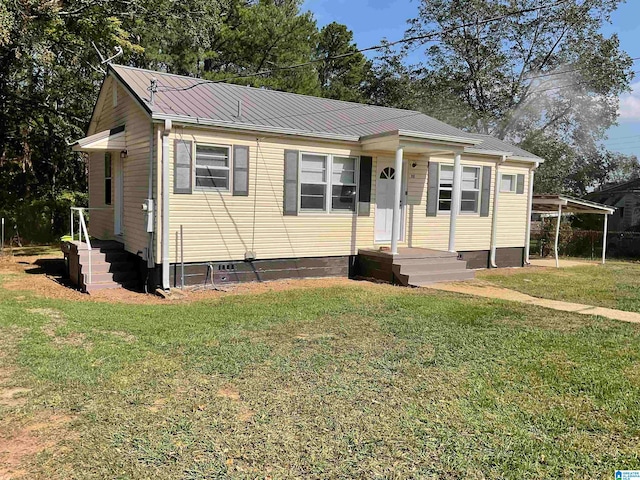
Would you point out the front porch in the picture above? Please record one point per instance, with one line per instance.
(413, 267)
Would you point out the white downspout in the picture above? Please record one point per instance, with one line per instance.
(455, 200)
(604, 238)
(527, 235)
(558, 234)
(397, 211)
(494, 215)
(165, 204)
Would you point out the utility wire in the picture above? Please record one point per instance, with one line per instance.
(426, 36)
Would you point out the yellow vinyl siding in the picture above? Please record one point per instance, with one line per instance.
(512, 211)
(473, 232)
(218, 226)
(136, 168)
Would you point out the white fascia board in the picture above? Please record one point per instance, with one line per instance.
(468, 141)
(492, 153)
(253, 128)
(520, 158)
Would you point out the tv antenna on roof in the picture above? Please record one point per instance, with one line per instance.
(103, 60)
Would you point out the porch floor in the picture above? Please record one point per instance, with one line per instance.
(407, 253)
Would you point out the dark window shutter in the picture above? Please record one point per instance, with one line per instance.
(241, 170)
(485, 194)
(364, 192)
(290, 206)
(182, 177)
(520, 183)
(433, 182)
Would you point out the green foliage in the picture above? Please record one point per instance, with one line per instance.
(50, 76)
(341, 78)
(547, 79)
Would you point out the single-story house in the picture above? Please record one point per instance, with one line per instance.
(213, 182)
(625, 197)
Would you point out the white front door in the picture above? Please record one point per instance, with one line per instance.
(118, 201)
(385, 193)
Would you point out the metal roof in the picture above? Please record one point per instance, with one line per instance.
(569, 204)
(190, 100)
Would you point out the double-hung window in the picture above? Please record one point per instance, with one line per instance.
(328, 183)
(343, 184)
(507, 183)
(212, 167)
(470, 190)
(313, 182)
(445, 188)
(107, 178)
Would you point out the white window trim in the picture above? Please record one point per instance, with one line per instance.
(513, 182)
(444, 212)
(328, 185)
(195, 166)
(478, 190)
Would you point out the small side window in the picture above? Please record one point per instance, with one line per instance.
(507, 183)
(107, 178)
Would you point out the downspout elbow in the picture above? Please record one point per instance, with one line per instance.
(494, 215)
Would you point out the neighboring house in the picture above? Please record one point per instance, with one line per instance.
(625, 197)
(265, 184)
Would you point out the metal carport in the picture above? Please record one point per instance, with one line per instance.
(559, 204)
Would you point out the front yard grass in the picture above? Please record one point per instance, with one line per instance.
(362, 381)
(613, 285)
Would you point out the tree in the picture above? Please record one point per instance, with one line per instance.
(47, 73)
(341, 78)
(544, 76)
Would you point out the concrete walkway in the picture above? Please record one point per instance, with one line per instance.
(491, 291)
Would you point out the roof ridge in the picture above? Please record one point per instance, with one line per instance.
(282, 92)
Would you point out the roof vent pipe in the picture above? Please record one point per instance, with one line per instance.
(239, 109)
(153, 88)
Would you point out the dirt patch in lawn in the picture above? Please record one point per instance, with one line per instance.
(229, 392)
(44, 432)
(13, 397)
(74, 339)
(28, 276)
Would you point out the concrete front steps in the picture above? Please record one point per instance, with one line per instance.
(424, 268)
(110, 266)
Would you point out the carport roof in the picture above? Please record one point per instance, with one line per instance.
(569, 204)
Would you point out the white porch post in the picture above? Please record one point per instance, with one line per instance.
(395, 224)
(455, 200)
(558, 234)
(527, 238)
(604, 238)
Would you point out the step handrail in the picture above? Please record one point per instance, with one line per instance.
(82, 232)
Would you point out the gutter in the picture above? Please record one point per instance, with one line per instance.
(494, 214)
(165, 204)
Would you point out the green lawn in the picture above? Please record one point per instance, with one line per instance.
(613, 285)
(363, 381)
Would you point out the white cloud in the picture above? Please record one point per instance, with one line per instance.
(630, 104)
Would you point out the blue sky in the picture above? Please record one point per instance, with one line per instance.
(373, 20)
